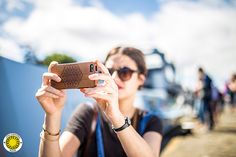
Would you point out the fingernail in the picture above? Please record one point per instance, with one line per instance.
(84, 91)
(58, 79)
(93, 75)
(54, 62)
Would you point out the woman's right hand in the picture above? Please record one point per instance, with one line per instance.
(52, 100)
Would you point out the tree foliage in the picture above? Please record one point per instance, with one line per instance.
(59, 57)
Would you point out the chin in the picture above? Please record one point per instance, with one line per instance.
(122, 94)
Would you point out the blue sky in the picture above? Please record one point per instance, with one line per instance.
(189, 32)
(23, 8)
(123, 7)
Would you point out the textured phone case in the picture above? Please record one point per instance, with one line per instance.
(73, 75)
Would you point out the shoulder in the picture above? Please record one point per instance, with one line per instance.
(150, 122)
(208, 78)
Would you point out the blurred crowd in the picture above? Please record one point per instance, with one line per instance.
(210, 101)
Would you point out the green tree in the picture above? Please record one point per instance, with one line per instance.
(59, 57)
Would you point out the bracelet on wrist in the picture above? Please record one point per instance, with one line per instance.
(49, 133)
(46, 137)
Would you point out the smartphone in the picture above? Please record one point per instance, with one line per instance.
(74, 75)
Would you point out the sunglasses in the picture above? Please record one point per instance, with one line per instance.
(124, 73)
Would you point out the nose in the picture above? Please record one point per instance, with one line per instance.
(116, 77)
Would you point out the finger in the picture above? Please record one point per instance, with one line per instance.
(54, 91)
(47, 94)
(102, 67)
(82, 90)
(105, 97)
(103, 80)
(86, 90)
(53, 63)
(50, 90)
(99, 89)
(107, 78)
(63, 91)
(49, 76)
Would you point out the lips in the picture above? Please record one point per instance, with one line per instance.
(119, 84)
(120, 87)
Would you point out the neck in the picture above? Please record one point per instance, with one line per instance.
(127, 106)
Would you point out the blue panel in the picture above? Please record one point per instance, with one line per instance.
(19, 110)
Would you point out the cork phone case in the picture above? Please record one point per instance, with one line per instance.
(74, 75)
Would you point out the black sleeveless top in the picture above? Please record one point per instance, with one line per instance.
(80, 125)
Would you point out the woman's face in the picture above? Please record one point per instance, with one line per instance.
(127, 88)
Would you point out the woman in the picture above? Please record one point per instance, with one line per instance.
(124, 73)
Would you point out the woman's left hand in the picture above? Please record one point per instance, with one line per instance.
(106, 94)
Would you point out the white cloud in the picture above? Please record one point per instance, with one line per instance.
(189, 33)
(196, 34)
(10, 49)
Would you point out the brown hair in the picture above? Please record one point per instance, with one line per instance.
(135, 54)
(200, 69)
(233, 77)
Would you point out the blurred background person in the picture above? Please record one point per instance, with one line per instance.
(231, 92)
(204, 93)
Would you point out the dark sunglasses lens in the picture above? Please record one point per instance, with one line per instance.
(125, 74)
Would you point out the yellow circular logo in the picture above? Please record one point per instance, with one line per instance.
(12, 142)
